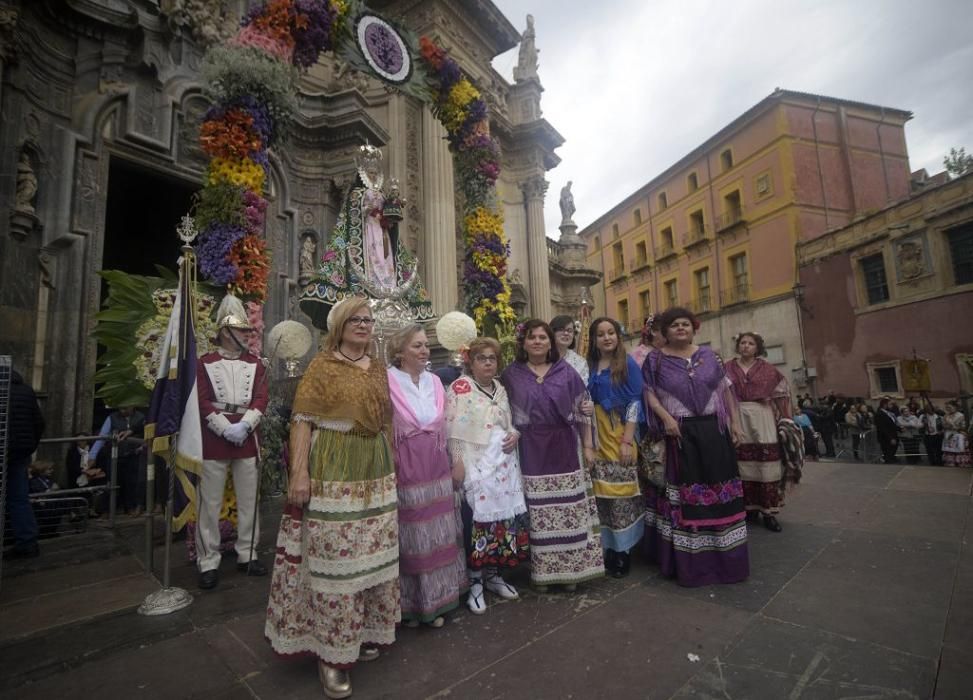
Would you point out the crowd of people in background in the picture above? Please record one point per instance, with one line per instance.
(915, 430)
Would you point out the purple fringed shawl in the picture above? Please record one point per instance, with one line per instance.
(553, 401)
(688, 388)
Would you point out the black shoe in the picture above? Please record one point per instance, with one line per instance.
(252, 568)
(609, 559)
(209, 579)
(624, 562)
(27, 552)
(770, 522)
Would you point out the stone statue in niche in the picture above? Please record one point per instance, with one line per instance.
(527, 57)
(911, 259)
(26, 185)
(567, 204)
(307, 267)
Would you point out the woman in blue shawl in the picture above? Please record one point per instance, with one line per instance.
(615, 386)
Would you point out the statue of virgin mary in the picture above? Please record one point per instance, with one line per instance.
(365, 254)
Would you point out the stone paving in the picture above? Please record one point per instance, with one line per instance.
(867, 593)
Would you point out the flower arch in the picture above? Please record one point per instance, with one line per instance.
(252, 80)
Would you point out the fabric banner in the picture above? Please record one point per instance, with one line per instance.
(173, 426)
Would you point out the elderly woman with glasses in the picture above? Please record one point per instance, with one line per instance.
(335, 588)
(483, 447)
(432, 575)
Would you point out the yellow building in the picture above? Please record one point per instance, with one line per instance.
(717, 231)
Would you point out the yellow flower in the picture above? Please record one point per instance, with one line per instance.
(242, 172)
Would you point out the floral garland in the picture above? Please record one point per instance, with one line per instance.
(152, 331)
(252, 80)
(463, 113)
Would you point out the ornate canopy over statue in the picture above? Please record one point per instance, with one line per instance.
(365, 254)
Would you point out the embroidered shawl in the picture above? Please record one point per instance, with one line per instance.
(334, 390)
(471, 415)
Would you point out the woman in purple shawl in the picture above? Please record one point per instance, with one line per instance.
(545, 399)
(695, 525)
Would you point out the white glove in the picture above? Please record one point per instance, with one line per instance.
(237, 433)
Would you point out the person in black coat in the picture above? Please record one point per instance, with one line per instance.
(25, 429)
(887, 431)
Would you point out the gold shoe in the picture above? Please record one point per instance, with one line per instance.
(368, 654)
(438, 622)
(335, 681)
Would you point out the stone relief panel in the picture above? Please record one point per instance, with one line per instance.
(911, 259)
(188, 150)
(86, 193)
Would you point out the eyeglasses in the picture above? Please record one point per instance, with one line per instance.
(485, 358)
(361, 321)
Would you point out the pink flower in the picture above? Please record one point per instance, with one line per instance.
(329, 256)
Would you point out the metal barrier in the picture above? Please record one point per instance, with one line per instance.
(58, 514)
(112, 486)
(872, 451)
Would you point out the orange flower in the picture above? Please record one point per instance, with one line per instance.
(252, 258)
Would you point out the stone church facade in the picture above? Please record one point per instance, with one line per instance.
(99, 93)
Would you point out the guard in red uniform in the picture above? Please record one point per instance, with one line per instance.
(232, 389)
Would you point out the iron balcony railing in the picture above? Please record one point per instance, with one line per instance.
(729, 219)
(737, 294)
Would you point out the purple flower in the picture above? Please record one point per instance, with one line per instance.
(310, 41)
(213, 252)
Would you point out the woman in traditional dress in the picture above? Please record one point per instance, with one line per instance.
(335, 587)
(431, 571)
(565, 339)
(545, 399)
(764, 398)
(483, 447)
(956, 443)
(695, 525)
(616, 388)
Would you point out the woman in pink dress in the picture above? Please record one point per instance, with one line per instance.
(432, 571)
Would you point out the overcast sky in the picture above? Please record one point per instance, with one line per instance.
(634, 85)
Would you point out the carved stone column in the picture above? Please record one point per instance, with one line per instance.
(439, 230)
(539, 280)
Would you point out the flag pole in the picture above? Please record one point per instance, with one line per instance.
(169, 599)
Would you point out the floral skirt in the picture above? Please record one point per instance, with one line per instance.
(500, 544)
(956, 459)
(335, 584)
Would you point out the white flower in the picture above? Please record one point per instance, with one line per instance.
(289, 340)
(455, 329)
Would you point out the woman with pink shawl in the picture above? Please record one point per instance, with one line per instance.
(432, 573)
